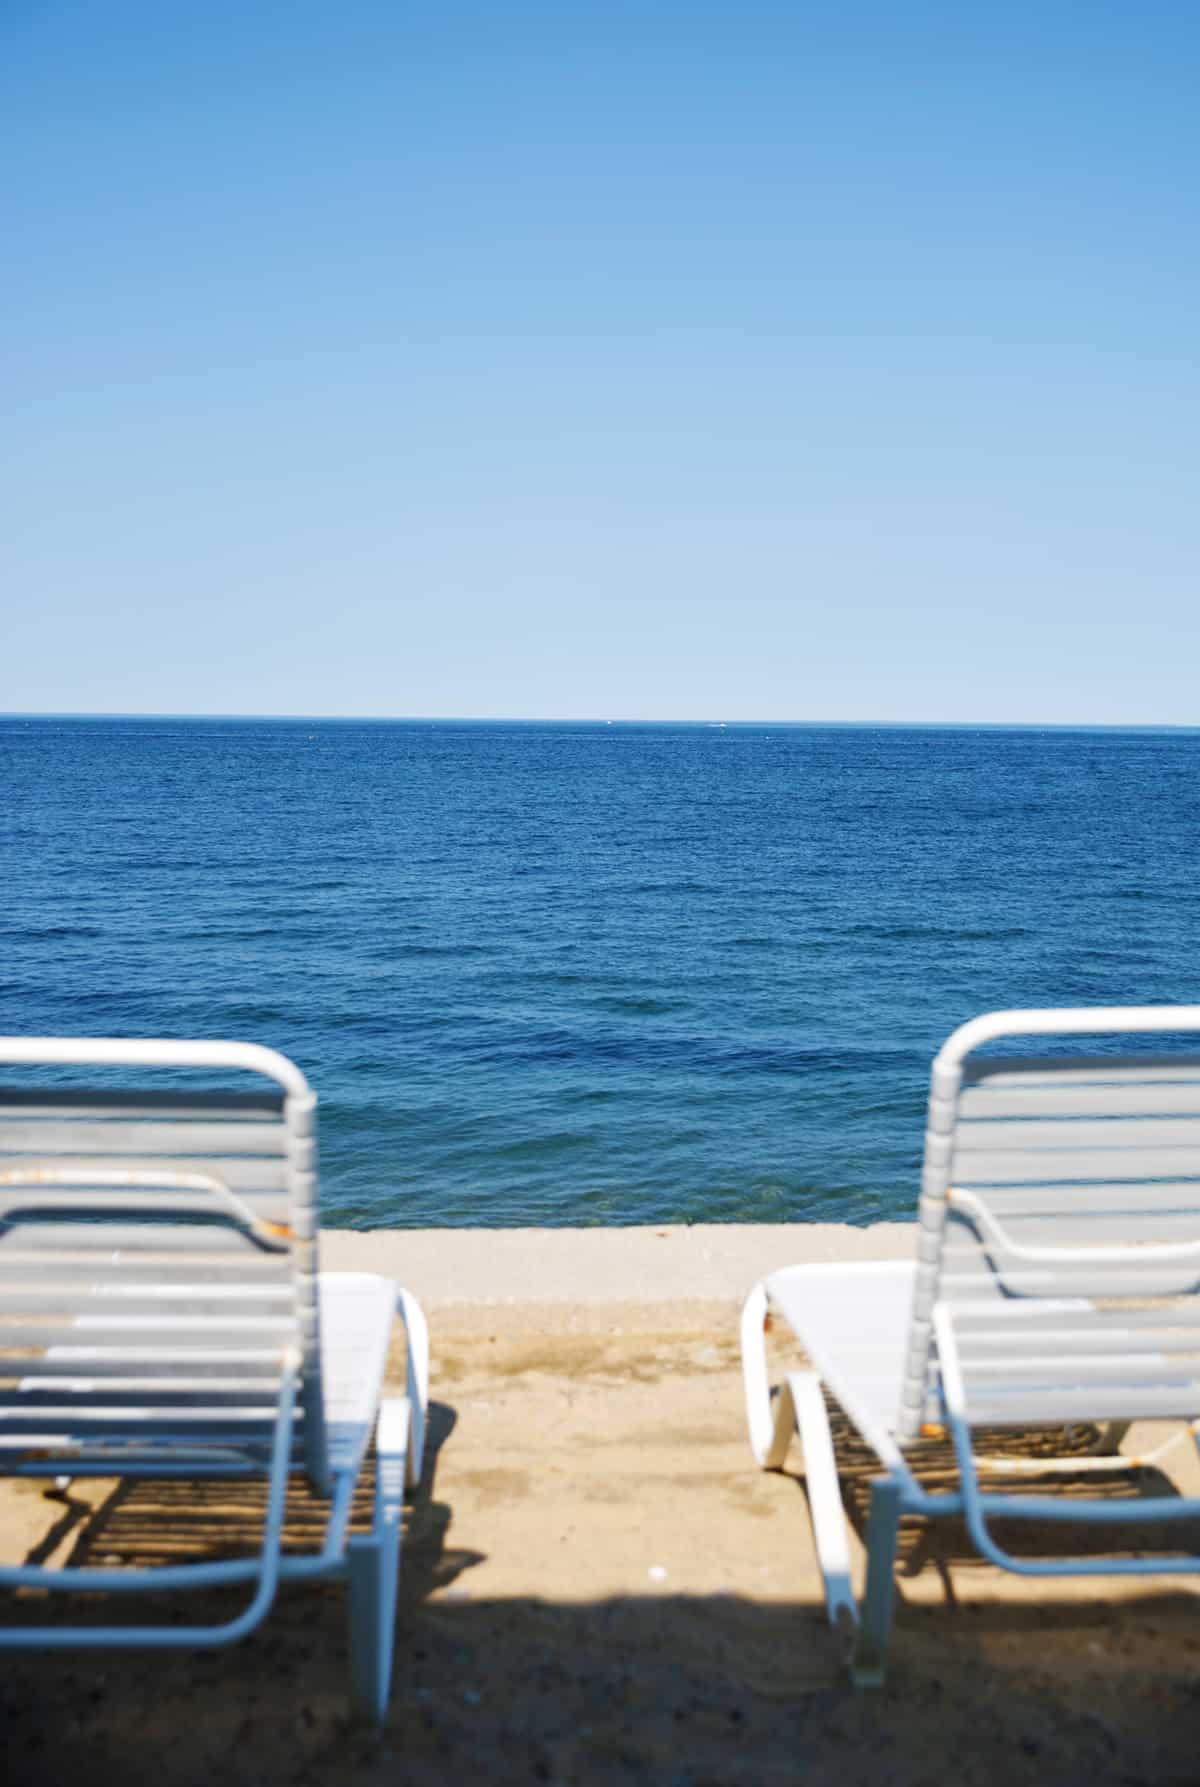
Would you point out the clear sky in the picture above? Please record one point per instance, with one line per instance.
(657, 360)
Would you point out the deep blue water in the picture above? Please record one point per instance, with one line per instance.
(590, 973)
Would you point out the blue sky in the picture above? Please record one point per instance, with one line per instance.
(620, 361)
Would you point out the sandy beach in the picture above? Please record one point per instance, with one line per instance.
(598, 1586)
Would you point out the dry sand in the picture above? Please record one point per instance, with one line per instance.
(597, 1584)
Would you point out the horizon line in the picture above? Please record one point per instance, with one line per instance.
(603, 720)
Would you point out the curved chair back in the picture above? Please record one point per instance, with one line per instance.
(1060, 1218)
(157, 1255)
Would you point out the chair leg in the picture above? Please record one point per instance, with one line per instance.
(372, 1622)
(803, 1392)
(373, 1570)
(883, 1525)
(1109, 1440)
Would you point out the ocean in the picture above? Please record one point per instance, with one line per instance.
(597, 974)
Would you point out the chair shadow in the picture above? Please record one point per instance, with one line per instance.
(151, 1524)
(937, 1543)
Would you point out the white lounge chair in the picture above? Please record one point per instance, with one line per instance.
(1057, 1281)
(162, 1316)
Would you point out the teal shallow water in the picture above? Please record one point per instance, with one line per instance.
(592, 974)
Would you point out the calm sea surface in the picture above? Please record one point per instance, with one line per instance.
(590, 973)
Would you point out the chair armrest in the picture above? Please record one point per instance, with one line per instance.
(977, 1506)
(416, 1331)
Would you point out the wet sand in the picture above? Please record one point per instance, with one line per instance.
(597, 1584)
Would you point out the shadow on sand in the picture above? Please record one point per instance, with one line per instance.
(671, 1691)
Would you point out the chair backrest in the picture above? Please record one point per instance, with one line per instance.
(157, 1252)
(1060, 1218)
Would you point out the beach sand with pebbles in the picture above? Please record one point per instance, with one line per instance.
(598, 1585)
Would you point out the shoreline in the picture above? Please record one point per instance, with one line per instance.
(672, 1266)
